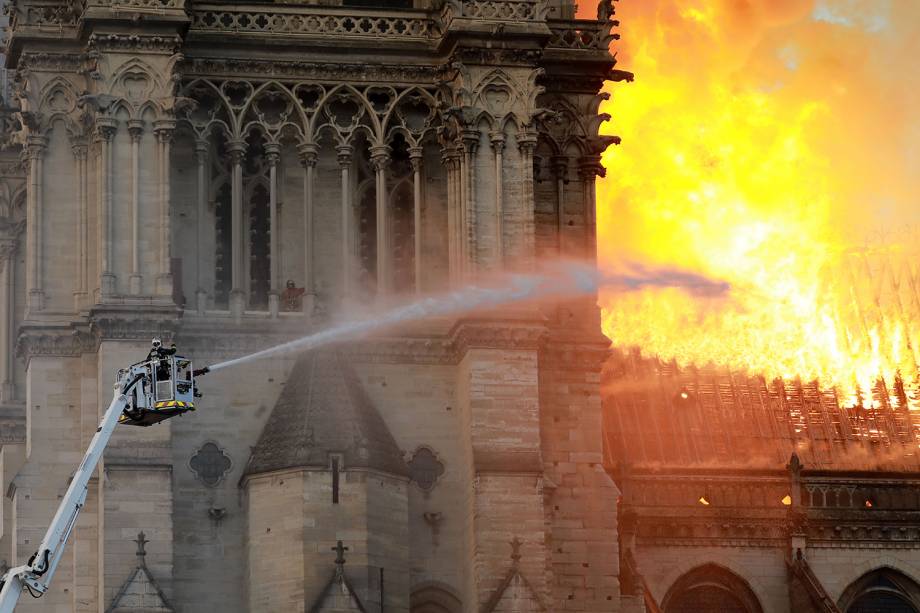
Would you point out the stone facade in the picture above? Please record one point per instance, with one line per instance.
(228, 176)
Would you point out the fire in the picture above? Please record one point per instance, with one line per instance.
(764, 142)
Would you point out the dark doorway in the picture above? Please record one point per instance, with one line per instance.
(883, 590)
(711, 589)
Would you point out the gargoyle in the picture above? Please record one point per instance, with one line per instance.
(179, 105)
(98, 103)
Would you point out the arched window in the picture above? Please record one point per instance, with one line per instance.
(402, 233)
(433, 597)
(366, 213)
(711, 589)
(223, 234)
(883, 590)
(260, 263)
(401, 218)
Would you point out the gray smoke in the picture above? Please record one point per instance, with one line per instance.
(557, 280)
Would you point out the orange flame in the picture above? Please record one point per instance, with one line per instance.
(762, 142)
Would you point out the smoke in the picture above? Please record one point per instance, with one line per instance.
(841, 75)
(555, 280)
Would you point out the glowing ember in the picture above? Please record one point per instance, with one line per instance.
(762, 142)
(787, 500)
(704, 501)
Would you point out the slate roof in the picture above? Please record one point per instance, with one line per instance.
(325, 409)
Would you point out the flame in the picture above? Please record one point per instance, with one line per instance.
(762, 142)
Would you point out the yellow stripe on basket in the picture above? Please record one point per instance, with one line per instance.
(173, 404)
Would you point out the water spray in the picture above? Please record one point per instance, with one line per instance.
(560, 280)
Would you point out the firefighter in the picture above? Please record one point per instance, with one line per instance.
(159, 353)
(198, 373)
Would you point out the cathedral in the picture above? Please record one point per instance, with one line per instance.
(228, 177)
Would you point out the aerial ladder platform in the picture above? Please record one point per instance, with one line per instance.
(146, 393)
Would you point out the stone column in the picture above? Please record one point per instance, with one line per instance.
(105, 134)
(237, 150)
(135, 130)
(527, 143)
(7, 313)
(273, 155)
(451, 159)
(470, 145)
(82, 238)
(35, 150)
(164, 132)
(344, 156)
(202, 155)
(462, 213)
(380, 157)
(498, 148)
(308, 157)
(416, 156)
(588, 171)
(560, 171)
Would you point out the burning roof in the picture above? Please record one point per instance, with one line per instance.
(659, 415)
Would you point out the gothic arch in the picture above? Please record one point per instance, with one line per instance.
(397, 119)
(881, 589)
(534, 90)
(364, 117)
(565, 127)
(434, 597)
(710, 588)
(511, 120)
(58, 86)
(135, 84)
(12, 201)
(488, 96)
(857, 570)
(292, 117)
(58, 103)
(203, 120)
(18, 203)
(151, 107)
(495, 80)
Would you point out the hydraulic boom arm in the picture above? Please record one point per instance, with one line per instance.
(37, 573)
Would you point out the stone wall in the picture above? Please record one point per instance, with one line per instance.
(277, 543)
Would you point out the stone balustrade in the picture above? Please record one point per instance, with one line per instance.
(497, 10)
(313, 21)
(137, 4)
(333, 22)
(580, 34)
(44, 14)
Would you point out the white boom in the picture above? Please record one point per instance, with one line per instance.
(37, 574)
(147, 393)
